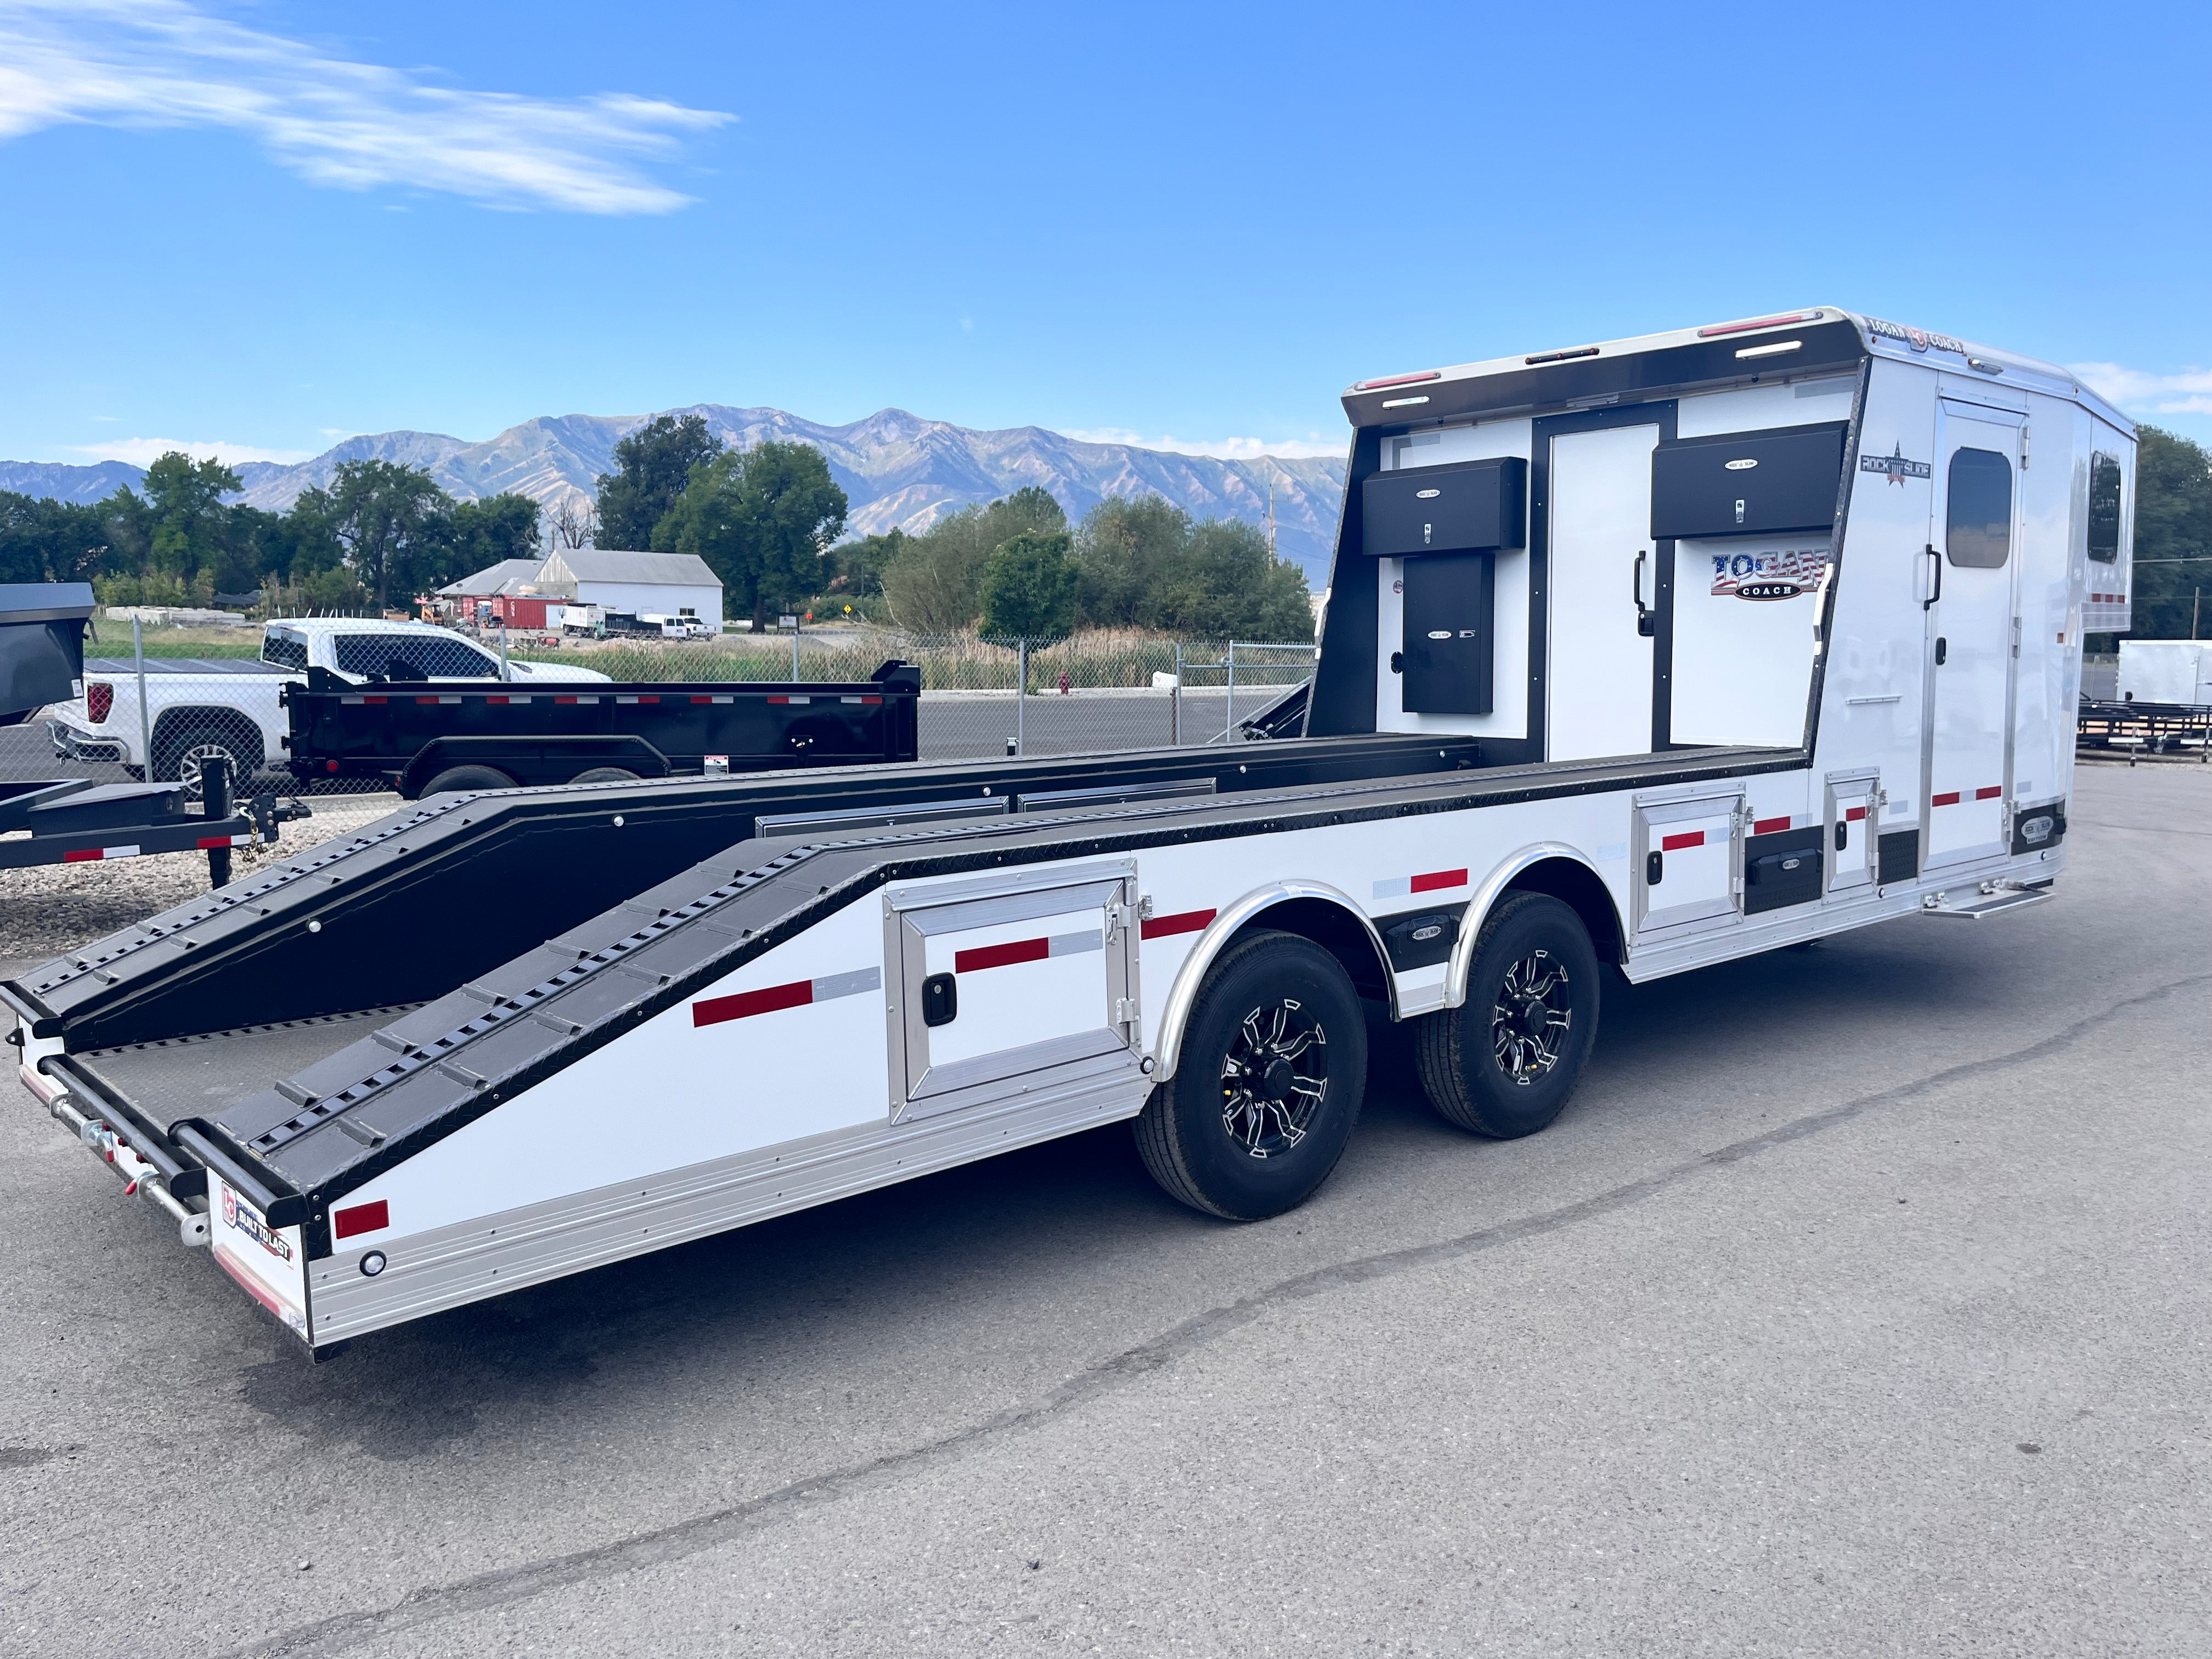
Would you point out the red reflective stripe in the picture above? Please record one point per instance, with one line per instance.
(1437, 879)
(224, 841)
(1690, 838)
(1758, 322)
(1001, 956)
(1768, 826)
(1990, 793)
(376, 700)
(1951, 799)
(428, 700)
(1853, 814)
(252, 1287)
(773, 698)
(1183, 921)
(500, 700)
(1399, 379)
(648, 700)
(362, 1218)
(714, 1010)
(702, 700)
(86, 856)
(871, 700)
(559, 699)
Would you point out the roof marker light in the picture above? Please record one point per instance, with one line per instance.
(1398, 379)
(1775, 351)
(1758, 322)
(1559, 356)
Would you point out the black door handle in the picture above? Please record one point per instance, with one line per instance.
(1655, 868)
(1647, 625)
(1843, 835)
(1397, 662)
(1942, 649)
(940, 1000)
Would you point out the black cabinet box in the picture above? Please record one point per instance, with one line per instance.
(1747, 483)
(1476, 505)
(1448, 621)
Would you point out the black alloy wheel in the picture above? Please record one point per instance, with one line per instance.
(1268, 1084)
(1506, 1062)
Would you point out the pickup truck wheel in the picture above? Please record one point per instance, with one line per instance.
(456, 779)
(1268, 1086)
(182, 749)
(605, 774)
(1506, 1062)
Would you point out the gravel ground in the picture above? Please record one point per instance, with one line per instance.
(53, 908)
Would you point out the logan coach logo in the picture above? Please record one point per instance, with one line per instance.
(242, 1217)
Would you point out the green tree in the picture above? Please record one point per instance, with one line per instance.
(763, 520)
(862, 563)
(1029, 589)
(935, 584)
(43, 540)
(392, 525)
(1226, 585)
(483, 532)
(1126, 550)
(186, 497)
(2174, 521)
(652, 466)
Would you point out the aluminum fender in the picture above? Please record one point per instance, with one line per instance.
(1175, 1013)
(1477, 907)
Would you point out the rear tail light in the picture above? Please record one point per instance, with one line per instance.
(99, 699)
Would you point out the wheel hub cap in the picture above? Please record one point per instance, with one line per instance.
(1531, 1015)
(1273, 1078)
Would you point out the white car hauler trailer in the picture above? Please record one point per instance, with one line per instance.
(1654, 653)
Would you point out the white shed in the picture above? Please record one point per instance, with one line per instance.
(643, 584)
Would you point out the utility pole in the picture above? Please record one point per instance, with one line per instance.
(2196, 606)
(1270, 515)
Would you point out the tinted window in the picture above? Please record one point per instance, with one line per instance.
(412, 657)
(1978, 531)
(288, 649)
(2105, 508)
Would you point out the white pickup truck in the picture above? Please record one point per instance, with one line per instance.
(200, 706)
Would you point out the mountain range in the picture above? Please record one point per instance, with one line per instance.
(896, 469)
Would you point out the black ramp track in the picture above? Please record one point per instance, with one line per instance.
(446, 890)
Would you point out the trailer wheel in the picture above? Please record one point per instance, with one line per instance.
(605, 774)
(1273, 1070)
(1506, 1062)
(455, 779)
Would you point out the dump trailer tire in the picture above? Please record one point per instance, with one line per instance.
(1505, 1063)
(1268, 1086)
(456, 779)
(605, 774)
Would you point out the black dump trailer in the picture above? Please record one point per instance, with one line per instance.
(434, 737)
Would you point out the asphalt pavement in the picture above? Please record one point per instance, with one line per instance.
(1859, 1305)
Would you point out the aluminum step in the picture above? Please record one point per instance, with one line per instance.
(1980, 904)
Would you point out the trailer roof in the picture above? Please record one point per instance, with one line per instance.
(1754, 349)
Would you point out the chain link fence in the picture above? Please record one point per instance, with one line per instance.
(207, 690)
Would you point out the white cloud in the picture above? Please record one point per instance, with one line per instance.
(163, 63)
(1221, 449)
(2189, 393)
(144, 452)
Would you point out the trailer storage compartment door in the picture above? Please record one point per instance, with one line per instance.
(1854, 812)
(1010, 983)
(1689, 861)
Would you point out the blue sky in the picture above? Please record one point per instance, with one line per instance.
(267, 225)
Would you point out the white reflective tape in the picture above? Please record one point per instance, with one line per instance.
(854, 984)
(1394, 887)
(1074, 944)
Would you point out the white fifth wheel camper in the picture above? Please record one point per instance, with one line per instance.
(1637, 657)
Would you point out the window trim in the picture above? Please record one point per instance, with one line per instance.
(2119, 505)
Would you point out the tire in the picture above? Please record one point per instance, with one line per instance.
(1504, 1066)
(1245, 1153)
(182, 746)
(605, 774)
(456, 779)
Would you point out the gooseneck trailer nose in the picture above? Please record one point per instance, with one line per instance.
(1637, 657)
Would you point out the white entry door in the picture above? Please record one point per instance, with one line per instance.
(1970, 653)
(1597, 666)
